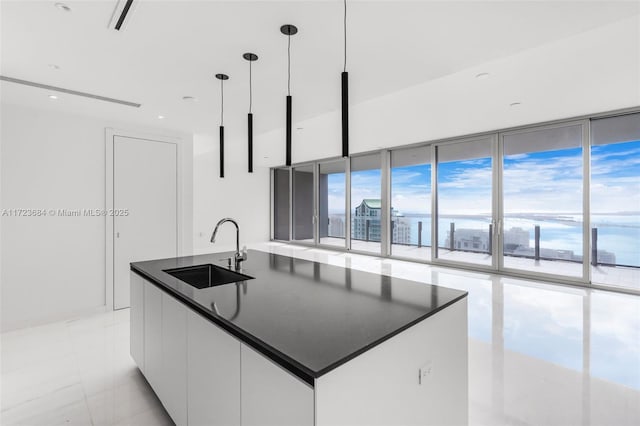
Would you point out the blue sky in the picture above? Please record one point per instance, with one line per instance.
(411, 189)
(615, 177)
(543, 182)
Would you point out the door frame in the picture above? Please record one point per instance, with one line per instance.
(585, 144)
(110, 134)
(435, 213)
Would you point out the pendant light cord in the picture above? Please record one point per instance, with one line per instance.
(222, 102)
(345, 36)
(289, 64)
(250, 89)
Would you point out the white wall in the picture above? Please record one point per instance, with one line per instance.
(240, 195)
(595, 71)
(54, 267)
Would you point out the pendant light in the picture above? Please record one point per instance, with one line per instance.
(222, 78)
(250, 57)
(345, 92)
(288, 30)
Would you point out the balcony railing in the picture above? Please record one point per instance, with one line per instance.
(537, 251)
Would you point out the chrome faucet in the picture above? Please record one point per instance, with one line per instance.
(239, 256)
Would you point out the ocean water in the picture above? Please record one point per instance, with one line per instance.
(618, 234)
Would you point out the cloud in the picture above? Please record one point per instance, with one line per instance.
(546, 182)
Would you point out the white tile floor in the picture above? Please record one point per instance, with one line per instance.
(75, 373)
(539, 354)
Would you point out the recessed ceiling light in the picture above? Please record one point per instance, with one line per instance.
(299, 128)
(53, 97)
(190, 99)
(482, 75)
(54, 66)
(515, 104)
(161, 117)
(63, 6)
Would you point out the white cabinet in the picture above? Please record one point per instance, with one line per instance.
(213, 374)
(173, 390)
(136, 339)
(271, 395)
(205, 376)
(164, 351)
(152, 335)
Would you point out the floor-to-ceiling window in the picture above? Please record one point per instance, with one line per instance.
(281, 207)
(411, 203)
(332, 186)
(543, 200)
(615, 201)
(366, 203)
(532, 201)
(465, 201)
(303, 207)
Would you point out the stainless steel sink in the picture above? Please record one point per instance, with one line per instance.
(203, 276)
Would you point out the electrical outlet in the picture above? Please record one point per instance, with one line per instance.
(425, 372)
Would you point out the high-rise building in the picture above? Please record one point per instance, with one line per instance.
(400, 229)
(336, 226)
(366, 221)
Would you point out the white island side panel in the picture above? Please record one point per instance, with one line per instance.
(271, 396)
(382, 386)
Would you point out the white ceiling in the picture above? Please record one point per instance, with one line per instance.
(171, 49)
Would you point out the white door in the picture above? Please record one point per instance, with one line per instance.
(145, 187)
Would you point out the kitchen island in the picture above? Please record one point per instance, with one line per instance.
(299, 342)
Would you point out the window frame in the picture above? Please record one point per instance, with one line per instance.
(497, 202)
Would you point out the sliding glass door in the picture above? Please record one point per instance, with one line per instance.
(303, 204)
(615, 201)
(411, 203)
(542, 198)
(465, 213)
(366, 203)
(332, 203)
(281, 184)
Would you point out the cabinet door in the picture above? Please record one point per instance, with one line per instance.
(136, 314)
(152, 335)
(271, 395)
(173, 391)
(213, 374)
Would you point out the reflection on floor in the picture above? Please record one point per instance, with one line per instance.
(538, 354)
(627, 277)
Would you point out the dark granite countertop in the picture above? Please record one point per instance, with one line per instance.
(306, 316)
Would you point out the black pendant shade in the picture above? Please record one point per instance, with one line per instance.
(250, 140)
(221, 151)
(288, 130)
(345, 114)
(288, 30)
(345, 92)
(251, 57)
(222, 78)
